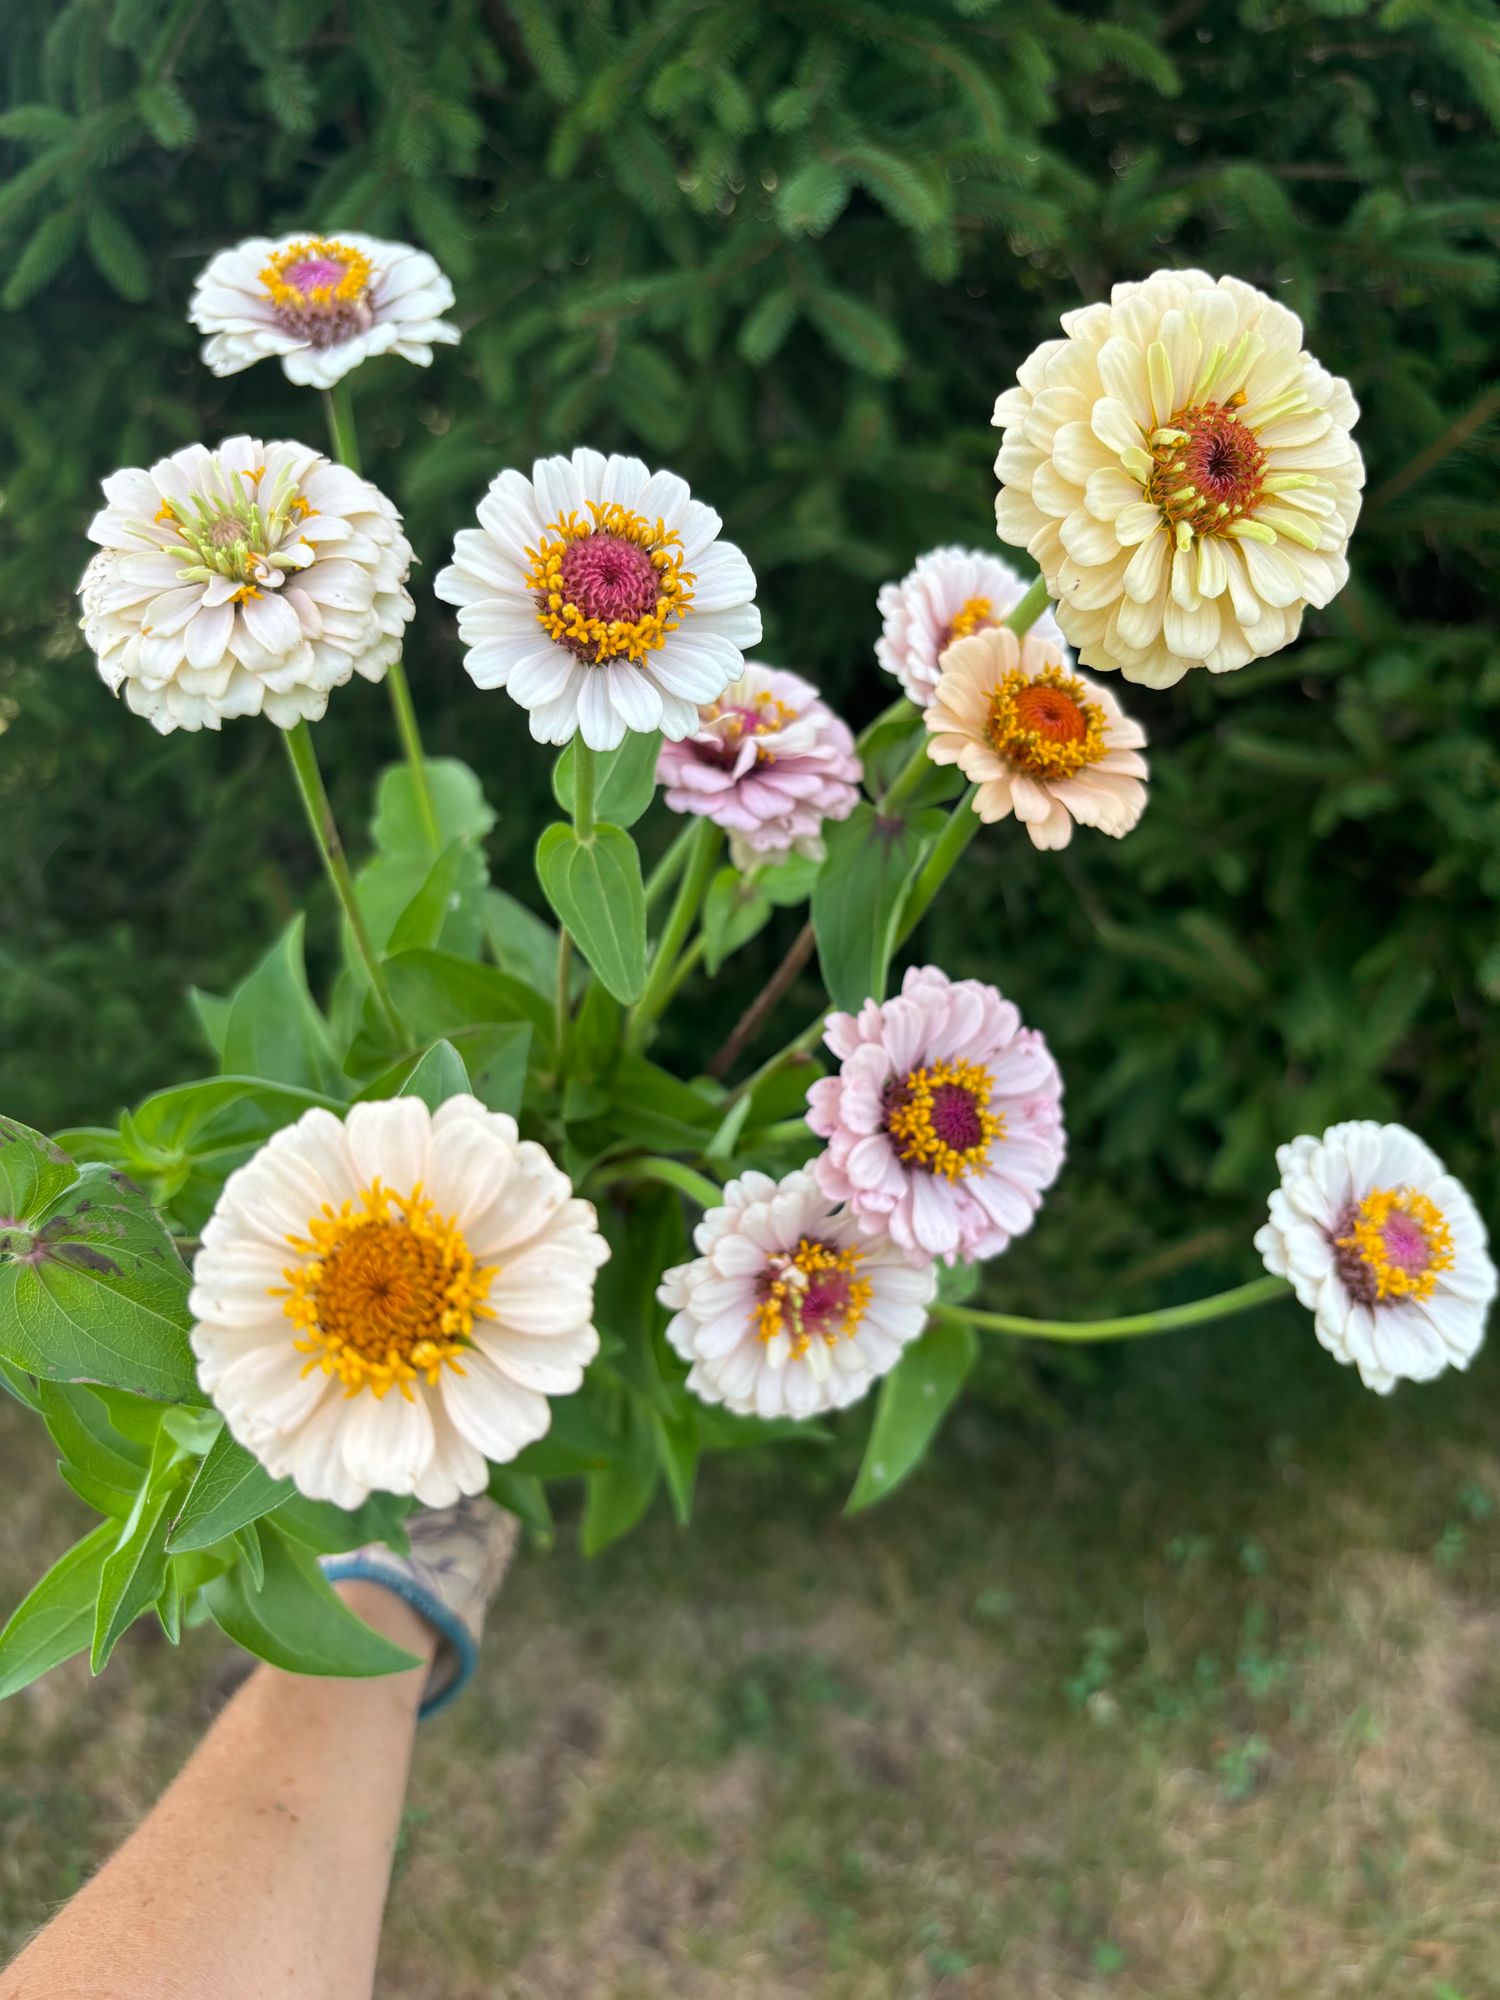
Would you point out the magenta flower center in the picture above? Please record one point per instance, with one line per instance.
(1391, 1245)
(938, 1118)
(311, 272)
(609, 579)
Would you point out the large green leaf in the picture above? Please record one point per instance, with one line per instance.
(438, 1076)
(857, 898)
(295, 1621)
(112, 1463)
(914, 1399)
(595, 887)
(625, 779)
(330, 1530)
(458, 802)
(57, 1619)
(135, 1571)
(92, 1288)
(735, 910)
(232, 1488)
(408, 895)
(618, 1495)
(274, 1028)
(521, 942)
(32, 1171)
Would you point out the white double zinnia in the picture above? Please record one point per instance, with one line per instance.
(1182, 471)
(386, 1303)
(320, 305)
(600, 597)
(1384, 1248)
(250, 580)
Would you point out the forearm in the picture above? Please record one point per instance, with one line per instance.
(262, 1872)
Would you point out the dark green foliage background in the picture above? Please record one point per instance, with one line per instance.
(795, 251)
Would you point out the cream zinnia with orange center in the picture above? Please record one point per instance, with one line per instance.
(1036, 740)
(1183, 472)
(388, 1303)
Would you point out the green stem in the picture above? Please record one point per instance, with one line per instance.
(671, 1173)
(798, 1046)
(299, 747)
(701, 862)
(339, 405)
(1223, 1305)
(671, 865)
(686, 966)
(585, 780)
(906, 780)
(1026, 613)
(900, 709)
(564, 999)
(963, 824)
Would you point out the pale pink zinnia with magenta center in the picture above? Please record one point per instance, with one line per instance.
(944, 1122)
(769, 762)
(949, 594)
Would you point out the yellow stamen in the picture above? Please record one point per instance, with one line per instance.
(782, 1309)
(1368, 1239)
(598, 639)
(910, 1118)
(976, 614)
(355, 267)
(1045, 724)
(388, 1291)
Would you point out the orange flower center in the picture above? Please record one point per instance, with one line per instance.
(1046, 725)
(1208, 469)
(388, 1290)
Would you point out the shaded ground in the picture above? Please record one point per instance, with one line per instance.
(1184, 1684)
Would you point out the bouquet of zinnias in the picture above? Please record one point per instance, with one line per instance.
(430, 1238)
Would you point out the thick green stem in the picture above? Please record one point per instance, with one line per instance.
(963, 824)
(585, 779)
(564, 999)
(702, 859)
(339, 405)
(671, 1173)
(671, 865)
(1222, 1305)
(1026, 613)
(299, 746)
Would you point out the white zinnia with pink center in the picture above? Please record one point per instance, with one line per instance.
(387, 1302)
(1385, 1249)
(949, 594)
(250, 580)
(320, 304)
(769, 762)
(790, 1308)
(944, 1122)
(1182, 471)
(600, 597)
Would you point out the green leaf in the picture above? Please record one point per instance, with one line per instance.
(617, 1497)
(274, 1028)
(624, 779)
(734, 911)
(677, 1447)
(437, 1077)
(117, 254)
(596, 889)
(80, 1428)
(57, 1619)
(135, 1570)
(857, 898)
(459, 806)
(578, 1440)
(437, 993)
(32, 1171)
(421, 921)
(522, 943)
(811, 199)
(914, 1399)
(232, 1488)
(789, 881)
(408, 896)
(94, 1291)
(521, 1494)
(295, 1621)
(331, 1530)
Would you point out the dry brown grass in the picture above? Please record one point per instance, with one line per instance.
(1195, 1697)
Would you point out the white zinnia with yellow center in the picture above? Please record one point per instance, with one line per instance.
(250, 580)
(1384, 1248)
(387, 1302)
(1183, 473)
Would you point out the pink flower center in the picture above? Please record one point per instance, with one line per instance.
(938, 1118)
(310, 272)
(610, 579)
(1208, 468)
(955, 1117)
(811, 1293)
(1391, 1245)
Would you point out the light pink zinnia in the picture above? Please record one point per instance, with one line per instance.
(950, 593)
(770, 762)
(944, 1123)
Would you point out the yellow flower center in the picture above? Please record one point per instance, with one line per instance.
(1045, 725)
(939, 1119)
(763, 715)
(610, 587)
(316, 272)
(813, 1293)
(977, 614)
(1394, 1244)
(388, 1291)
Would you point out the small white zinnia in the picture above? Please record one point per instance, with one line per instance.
(321, 304)
(790, 1308)
(1182, 471)
(385, 1303)
(250, 580)
(1384, 1248)
(1036, 740)
(599, 595)
(949, 594)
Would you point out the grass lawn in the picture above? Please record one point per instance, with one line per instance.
(1181, 1684)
